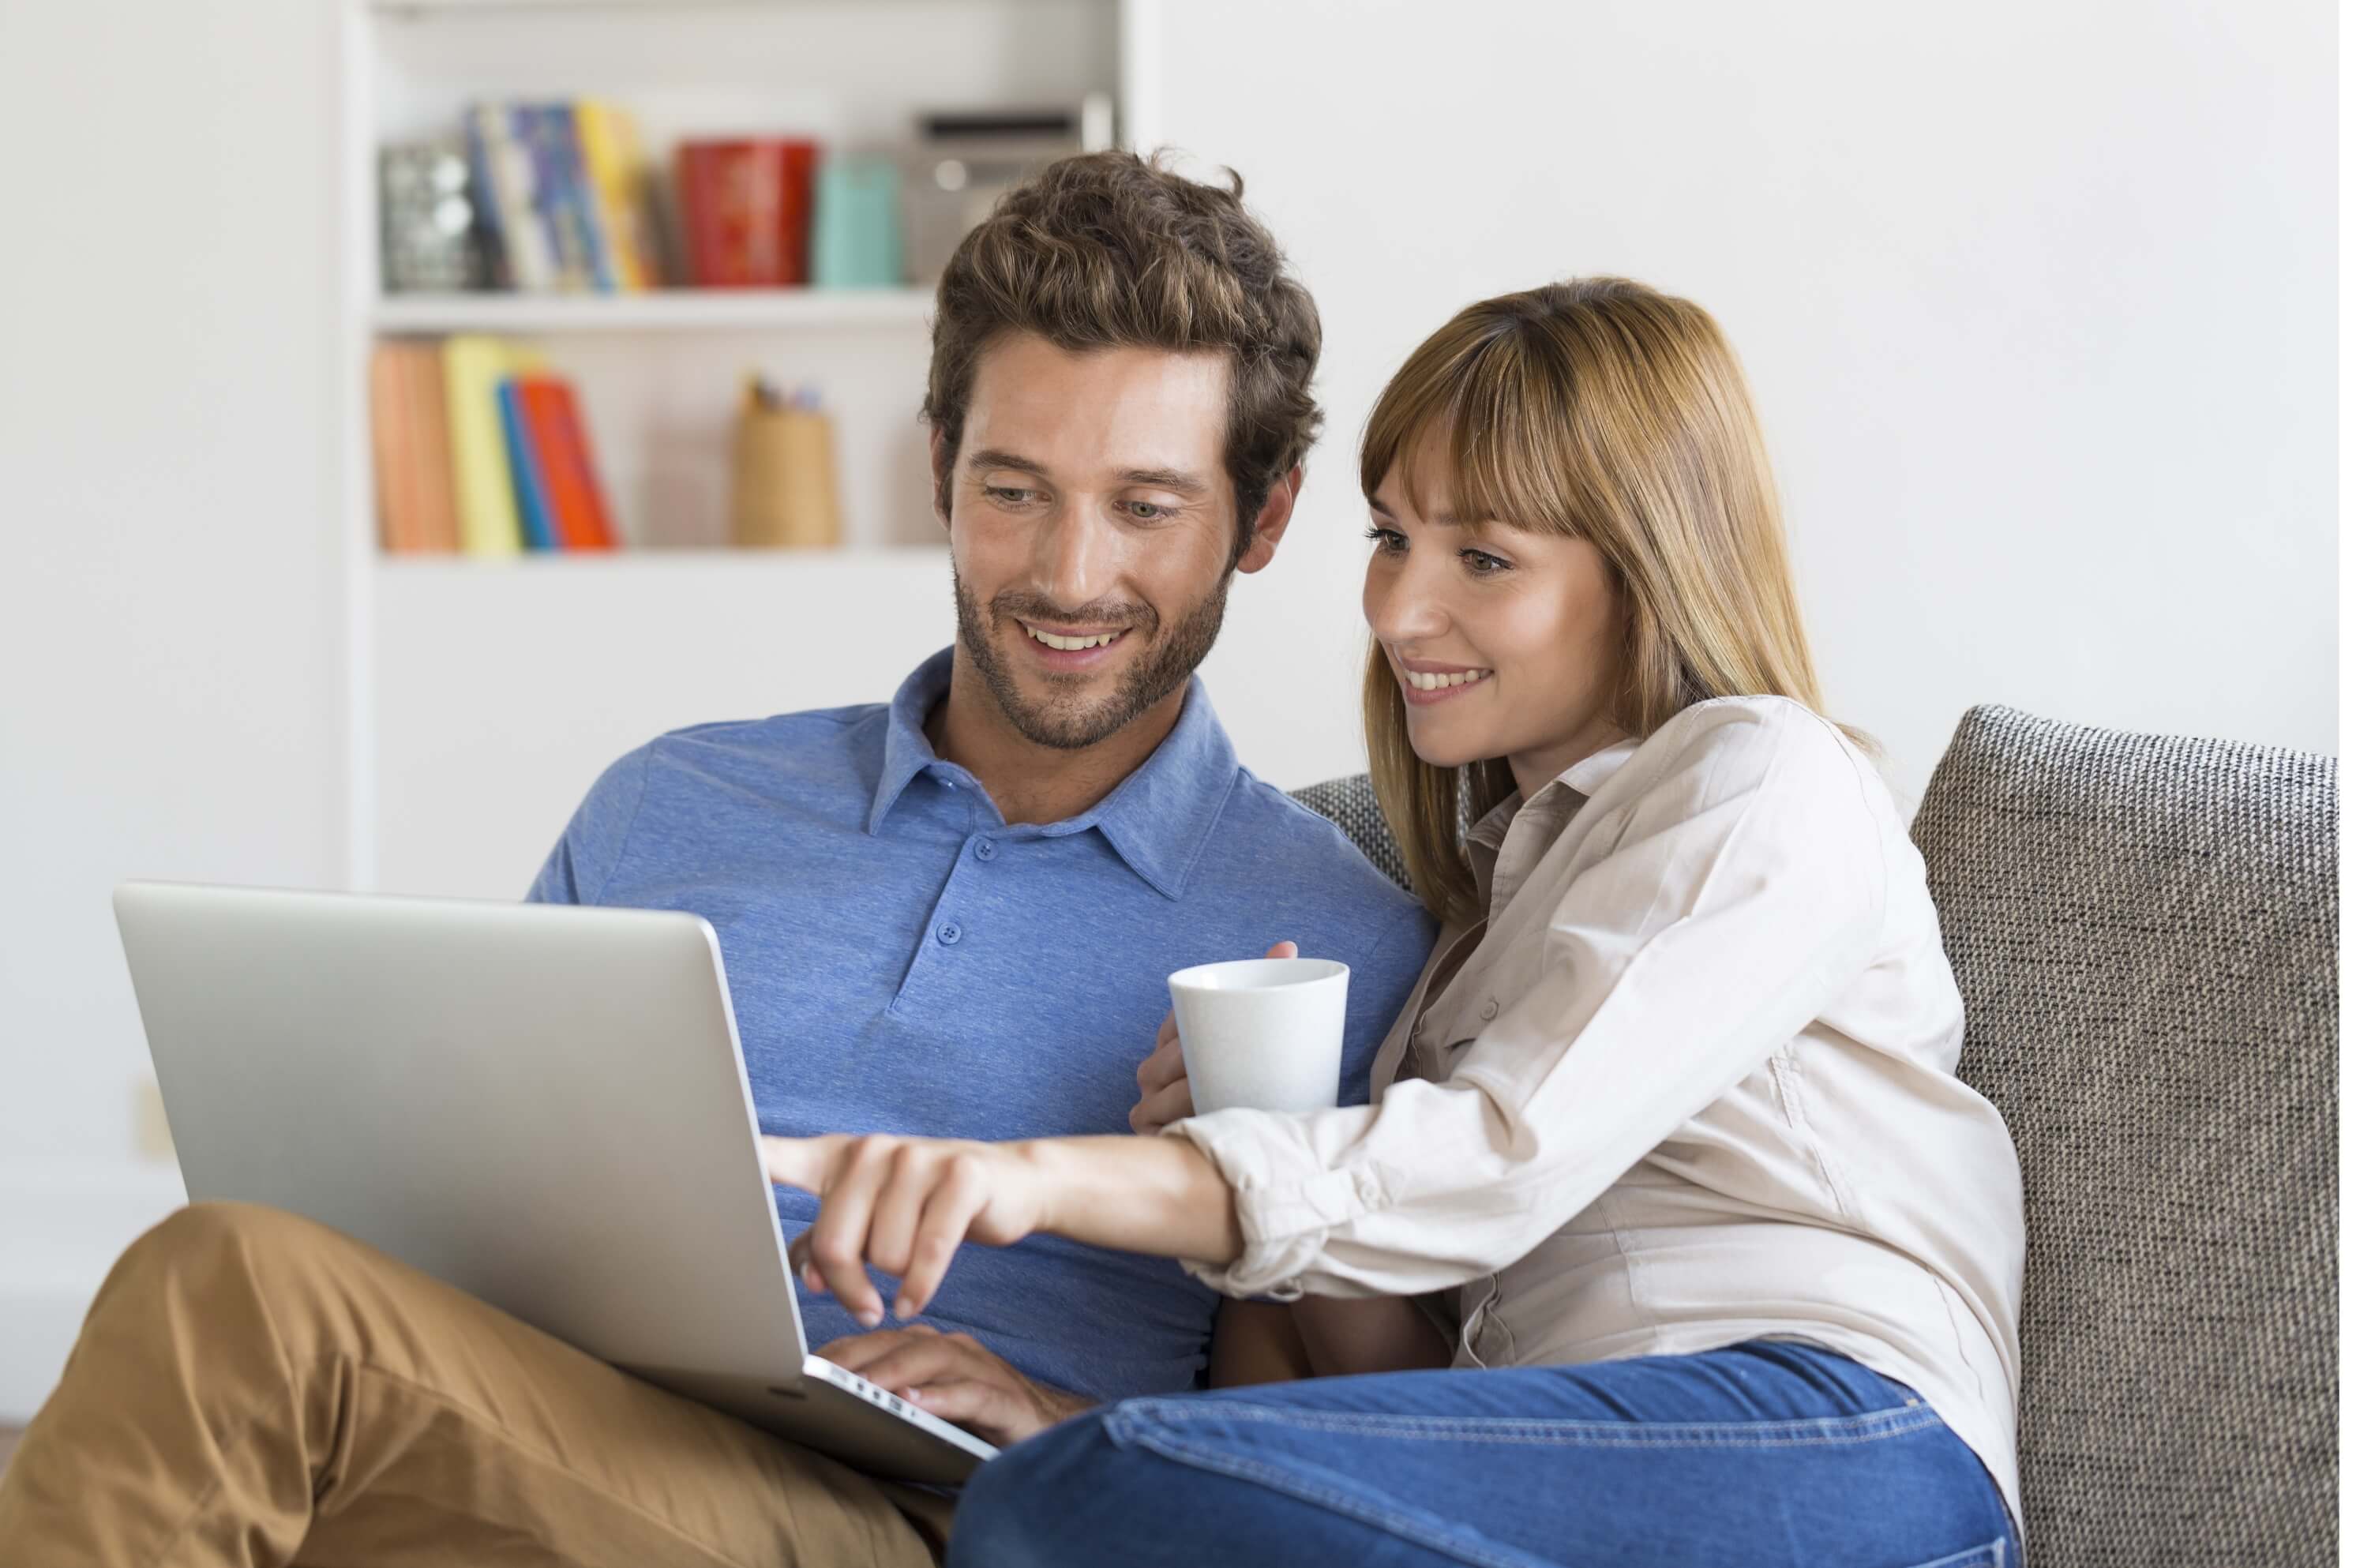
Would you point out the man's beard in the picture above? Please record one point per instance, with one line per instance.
(1076, 723)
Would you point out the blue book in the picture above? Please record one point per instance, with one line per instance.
(531, 481)
(562, 128)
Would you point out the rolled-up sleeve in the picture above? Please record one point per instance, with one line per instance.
(1745, 891)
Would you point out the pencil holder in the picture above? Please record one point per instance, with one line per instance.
(784, 479)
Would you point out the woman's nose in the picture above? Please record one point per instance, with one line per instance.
(1401, 610)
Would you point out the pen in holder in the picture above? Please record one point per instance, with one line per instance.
(785, 472)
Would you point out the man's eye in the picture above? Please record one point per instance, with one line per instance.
(1147, 511)
(1007, 494)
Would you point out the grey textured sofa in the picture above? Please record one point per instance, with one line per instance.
(2144, 928)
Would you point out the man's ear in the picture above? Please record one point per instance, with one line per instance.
(939, 453)
(1275, 517)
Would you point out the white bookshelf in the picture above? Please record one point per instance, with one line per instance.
(484, 694)
(661, 310)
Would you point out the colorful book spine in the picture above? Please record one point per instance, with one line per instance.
(523, 462)
(512, 199)
(576, 504)
(473, 368)
(609, 151)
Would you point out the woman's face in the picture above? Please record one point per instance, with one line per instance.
(1504, 643)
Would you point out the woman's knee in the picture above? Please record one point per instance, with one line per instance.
(1030, 1505)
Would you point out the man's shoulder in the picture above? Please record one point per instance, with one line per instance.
(1280, 840)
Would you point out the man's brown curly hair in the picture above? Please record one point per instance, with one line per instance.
(1109, 250)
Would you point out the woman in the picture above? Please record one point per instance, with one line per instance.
(1668, 1139)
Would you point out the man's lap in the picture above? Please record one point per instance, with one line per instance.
(249, 1381)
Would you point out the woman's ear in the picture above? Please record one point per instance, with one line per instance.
(1275, 517)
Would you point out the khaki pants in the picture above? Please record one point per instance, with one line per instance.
(254, 1389)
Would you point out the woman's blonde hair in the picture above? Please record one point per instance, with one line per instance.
(1609, 412)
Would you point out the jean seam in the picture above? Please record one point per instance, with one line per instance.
(1128, 1419)
(1991, 1555)
(1276, 1478)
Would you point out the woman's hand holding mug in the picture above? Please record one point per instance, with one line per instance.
(1164, 1094)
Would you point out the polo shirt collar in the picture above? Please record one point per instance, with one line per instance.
(1158, 819)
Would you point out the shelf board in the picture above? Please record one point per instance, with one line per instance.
(661, 310)
(854, 558)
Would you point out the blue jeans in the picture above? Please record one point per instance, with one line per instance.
(1763, 1453)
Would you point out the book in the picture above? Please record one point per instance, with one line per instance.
(576, 503)
(537, 130)
(429, 417)
(523, 464)
(510, 215)
(472, 369)
(392, 439)
(619, 191)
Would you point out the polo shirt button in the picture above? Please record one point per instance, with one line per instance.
(986, 850)
(1488, 1009)
(952, 934)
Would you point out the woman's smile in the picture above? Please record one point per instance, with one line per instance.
(1423, 682)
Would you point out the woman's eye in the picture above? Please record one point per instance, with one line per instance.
(1481, 564)
(1387, 541)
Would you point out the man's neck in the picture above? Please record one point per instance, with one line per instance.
(1029, 782)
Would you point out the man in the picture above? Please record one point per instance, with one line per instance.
(952, 913)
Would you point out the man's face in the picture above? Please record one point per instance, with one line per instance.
(1092, 532)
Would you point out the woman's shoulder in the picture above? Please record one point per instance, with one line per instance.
(1763, 736)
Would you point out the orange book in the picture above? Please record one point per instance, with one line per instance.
(437, 497)
(576, 505)
(393, 441)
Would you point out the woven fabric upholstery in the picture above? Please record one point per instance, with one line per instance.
(2144, 929)
(1349, 805)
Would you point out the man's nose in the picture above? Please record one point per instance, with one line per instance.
(1076, 556)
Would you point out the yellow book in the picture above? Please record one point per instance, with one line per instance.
(472, 369)
(609, 146)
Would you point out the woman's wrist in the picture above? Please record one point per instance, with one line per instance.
(1159, 1195)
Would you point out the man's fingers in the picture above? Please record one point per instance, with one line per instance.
(967, 1402)
(919, 1362)
(857, 1352)
(1285, 949)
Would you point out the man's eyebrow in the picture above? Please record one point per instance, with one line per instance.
(999, 457)
(1176, 479)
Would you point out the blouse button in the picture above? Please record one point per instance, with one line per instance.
(1488, 1009)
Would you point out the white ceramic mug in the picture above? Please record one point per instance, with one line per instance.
(1264, 1033)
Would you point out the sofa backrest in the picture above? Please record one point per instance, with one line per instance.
(2144, 931)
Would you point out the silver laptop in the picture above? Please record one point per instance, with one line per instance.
(544, 1106)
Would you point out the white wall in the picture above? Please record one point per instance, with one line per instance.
(2036, 297)
(170, 689)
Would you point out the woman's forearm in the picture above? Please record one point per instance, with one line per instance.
(1159, 1195)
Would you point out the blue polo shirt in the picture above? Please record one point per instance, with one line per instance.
(903, 961)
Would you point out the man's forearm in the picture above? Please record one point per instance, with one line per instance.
(1160, 1195)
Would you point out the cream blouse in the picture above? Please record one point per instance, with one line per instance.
(1692, 1081)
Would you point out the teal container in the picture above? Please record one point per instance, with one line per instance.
(855, 232)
